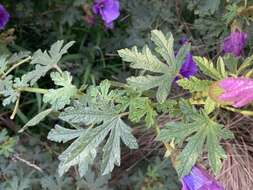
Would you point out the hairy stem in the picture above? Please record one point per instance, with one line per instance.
(16, 107)
(34, 90)
(15, 66)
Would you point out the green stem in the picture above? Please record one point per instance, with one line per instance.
(243, 112)
(118, 84)
(15, 66)
(34, 90)
(58, 68)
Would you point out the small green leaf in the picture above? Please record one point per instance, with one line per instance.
(7, 91)
(209, 105)
(140, 107)
(221, 67)
(194, 84)
(60, 97)
(61, 134)
(164, 46)
(36, 119)
(208, 68)
(197, 132)
(231, 63)
(45, 61)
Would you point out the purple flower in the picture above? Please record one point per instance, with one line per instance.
(108, 10)
(198, 179)
(189, 67)
(183, 40)
(4, 17)
(235, 43)
(236, 91)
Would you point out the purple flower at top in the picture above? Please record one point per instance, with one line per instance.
(236, 91)
(4, 17)
(108, 10)
(235, 43)
(199, 179)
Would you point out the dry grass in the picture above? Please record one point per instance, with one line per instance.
(237, 171)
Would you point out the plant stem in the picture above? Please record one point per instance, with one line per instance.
(118, 84)
(168, 146)
(16, 107)
(34, 90)
(243, 112)
(15, 66)
(58, 68)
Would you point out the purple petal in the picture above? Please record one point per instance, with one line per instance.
(189, 67)
(235, 43)
(183, 40)
(238, 91)
(198, 179)
(4, 17)
(108, 10)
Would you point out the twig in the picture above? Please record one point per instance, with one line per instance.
(28, 163)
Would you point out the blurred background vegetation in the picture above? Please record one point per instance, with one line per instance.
(30, 161)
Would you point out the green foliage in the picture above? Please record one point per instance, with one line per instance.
(104, 121)
(194, 84)
(36, 119)
(6, 143)
(199, 131)
(59, 98)
(208, 68)
(7, 91)
(148, 62)
(99, 116)
(90, 181)
(45, 61)
(17, 183)
(140, 107)
(231, 13)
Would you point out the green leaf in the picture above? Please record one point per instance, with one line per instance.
(199, 132)
(246, 64)
(60, 97)
(61, 134)
(190, 153)
(7, 91)
(215, 151)
(208, 68)
(36, 119)
(164, 73)
(140, 107)
(98, 110)
(7, 144)
(144, 59)
(209, 105)
(83, 150)
(164, 45)
(83, 114)
(47, 60)
(16, 57)
(194, 84)
(209, 6)
(231, 62)
(3, 63)
(221, 67)
(111, 155)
